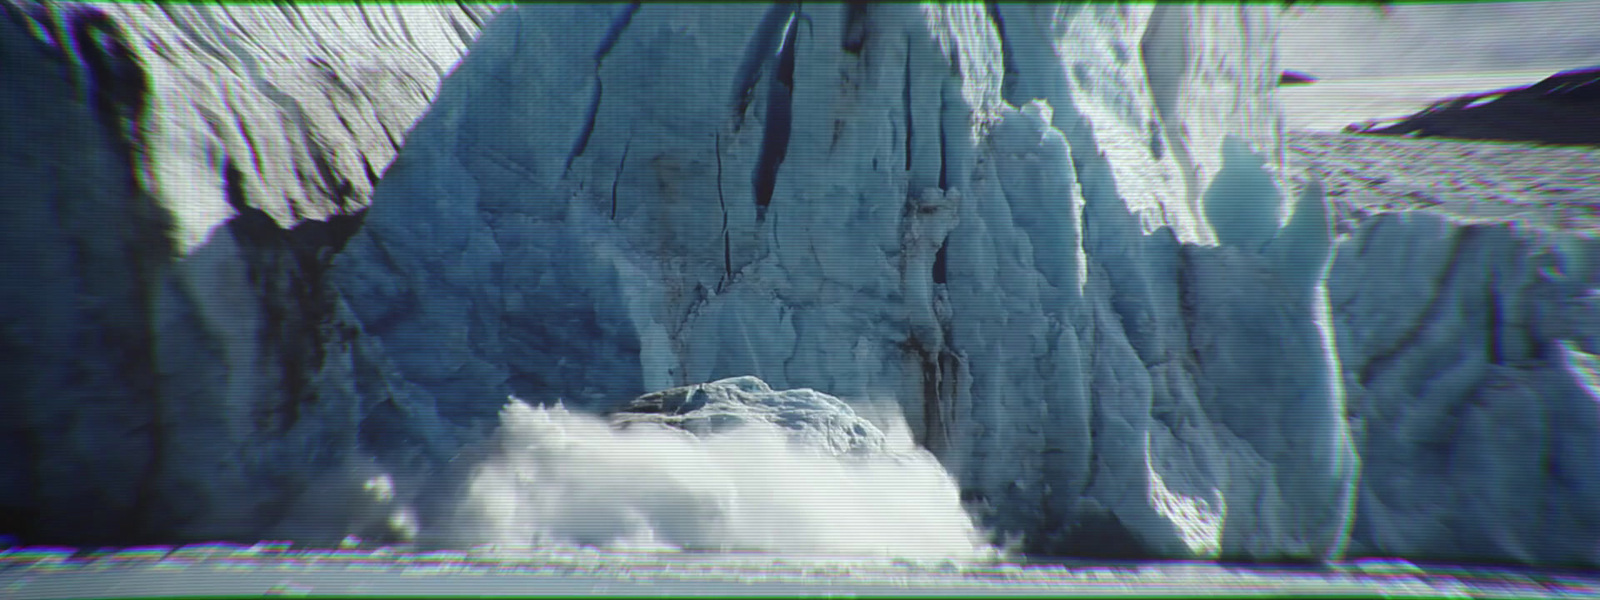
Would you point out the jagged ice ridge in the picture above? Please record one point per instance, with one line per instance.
(1065, 241)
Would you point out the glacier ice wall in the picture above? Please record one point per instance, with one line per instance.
(916, 203)
(178, 179)
(1462, 295)
(1065, 240)
(1469, 362)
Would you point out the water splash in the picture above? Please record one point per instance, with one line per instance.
(551, 477)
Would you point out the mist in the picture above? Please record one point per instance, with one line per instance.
(552, 477)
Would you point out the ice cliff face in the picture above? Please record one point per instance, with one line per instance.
(1064, 240)
(610, 200)
(177, 364)
(1469, 355)
(1466, 318)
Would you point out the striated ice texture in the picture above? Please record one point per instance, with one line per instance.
(906, 202)
(1469, 359)
(1065, 242)
(179, 177)
(1464, 305)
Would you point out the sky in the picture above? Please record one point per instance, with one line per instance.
(1380, 63)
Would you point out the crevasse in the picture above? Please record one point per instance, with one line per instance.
(1083, 362)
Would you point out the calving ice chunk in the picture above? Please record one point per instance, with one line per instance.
(871, 216)
(725, 466)
(1064, 242)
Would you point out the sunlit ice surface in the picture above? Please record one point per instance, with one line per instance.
(1549, 188)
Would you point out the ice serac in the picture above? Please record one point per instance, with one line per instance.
(1469, 350)
(1062, 239)
(969, 210)
(179, 178)
(1465, 316)
(809, 417)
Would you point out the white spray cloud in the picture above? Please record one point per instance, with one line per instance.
(554, 478)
